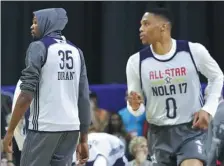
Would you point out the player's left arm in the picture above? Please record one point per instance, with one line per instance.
(211, 70)
(29, 79)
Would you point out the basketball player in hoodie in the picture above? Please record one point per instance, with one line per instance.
(54, 85)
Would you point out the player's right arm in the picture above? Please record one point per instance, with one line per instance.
(29, 80)
(135, 94)
(82, 151)
(83, 101)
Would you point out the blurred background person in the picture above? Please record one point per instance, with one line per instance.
(6, 103)
(116, 127)
(4, 113)
(139, 149)
(104, 150)
(133, 125)
(99, 116)
(215, 139)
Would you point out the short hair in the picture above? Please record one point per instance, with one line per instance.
(136, 141)
(164, 13)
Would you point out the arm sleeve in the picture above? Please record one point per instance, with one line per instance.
(83, 100)
(35, 55)
(211, 70)
(133, 81)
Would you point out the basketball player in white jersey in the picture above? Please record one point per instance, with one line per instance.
(164, 75)
(104, 150)
(55, 86)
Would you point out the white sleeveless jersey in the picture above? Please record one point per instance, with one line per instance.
(109, 146)
(171, 86)
(57, 92)
(19, 130)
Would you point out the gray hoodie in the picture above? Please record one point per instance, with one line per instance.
(50, 23)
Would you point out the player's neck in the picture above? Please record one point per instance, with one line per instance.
(163, 47)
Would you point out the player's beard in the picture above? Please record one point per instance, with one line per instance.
(34, 38)
(141, 157)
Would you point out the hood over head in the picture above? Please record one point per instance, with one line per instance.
(51, 21)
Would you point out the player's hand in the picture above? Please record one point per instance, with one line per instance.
(7, 142)
(82, 152)
(201, 120)
(135, 100)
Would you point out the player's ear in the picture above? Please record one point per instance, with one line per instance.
(163, 27)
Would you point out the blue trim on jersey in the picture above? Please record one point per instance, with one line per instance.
(91, 163)
(201, 97)
(144, 54)
(47, 41)
(181, 45)
(34, 112)
(120, 162)
(70, 43)
(36, 109)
